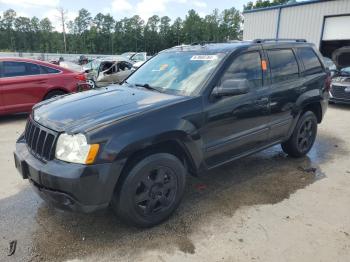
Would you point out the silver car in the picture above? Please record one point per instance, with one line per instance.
(106, 71)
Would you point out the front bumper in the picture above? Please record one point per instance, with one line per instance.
(76, 187)
(339, 100)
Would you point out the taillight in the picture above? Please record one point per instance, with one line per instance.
(80, 77)
(328, 82)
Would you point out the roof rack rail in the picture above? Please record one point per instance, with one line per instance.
(279, 40)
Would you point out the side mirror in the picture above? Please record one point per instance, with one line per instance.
(87, 71)
(232, 87)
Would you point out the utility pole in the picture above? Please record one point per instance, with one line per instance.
(62, 17)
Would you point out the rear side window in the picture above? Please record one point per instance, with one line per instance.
(48, 70)
(283, 65)
(310, 60)
(11, 69)
(246, 66)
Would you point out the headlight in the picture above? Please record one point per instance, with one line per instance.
(75, 149)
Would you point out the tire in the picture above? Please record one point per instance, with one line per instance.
(53, 94)
(91, 83)
(151, 190)
(303, 137)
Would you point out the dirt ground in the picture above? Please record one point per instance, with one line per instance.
(266, 207)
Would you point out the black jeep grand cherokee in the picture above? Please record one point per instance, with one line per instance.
(187, 110)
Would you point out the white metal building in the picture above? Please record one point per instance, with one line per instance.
(325, 23)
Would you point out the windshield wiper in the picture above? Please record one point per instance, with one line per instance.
(147, 86)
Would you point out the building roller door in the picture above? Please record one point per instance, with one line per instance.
(336, 34)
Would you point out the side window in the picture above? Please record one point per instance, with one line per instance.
(138, 57)
(283, 65)
(48, 70)
(246, 66)
(11, 69)
(32, 69)
(124, 66)
(311, 63)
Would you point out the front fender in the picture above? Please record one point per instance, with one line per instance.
(140, 137)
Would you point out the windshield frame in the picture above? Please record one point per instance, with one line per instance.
(202, 86)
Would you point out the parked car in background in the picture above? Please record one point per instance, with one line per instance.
(105, 71)
(128, 54)
(25, 82)
(340, 90)
(184, 112)
(137, 59)
(71, 66)
(330, 65)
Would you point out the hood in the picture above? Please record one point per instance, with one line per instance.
(341, 57)
(86, 110)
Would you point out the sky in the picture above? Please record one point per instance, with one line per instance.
(118, 8)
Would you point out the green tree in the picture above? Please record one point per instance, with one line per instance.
(151, 34)
(45, 28)
(165, 32)
(266, 3)
(193, 27)
(8, 21)
(231, 24)
(177, 36)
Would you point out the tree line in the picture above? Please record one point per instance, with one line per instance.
(266, 3)
(102, 34)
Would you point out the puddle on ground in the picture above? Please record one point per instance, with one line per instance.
(264, 178)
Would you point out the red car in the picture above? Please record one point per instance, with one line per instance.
(25, 82)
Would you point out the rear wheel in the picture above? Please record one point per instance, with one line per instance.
(303, 137)
(53, 94)
(151, 191)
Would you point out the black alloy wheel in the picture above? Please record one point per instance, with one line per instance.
(303, 136)
(306, 135)
(156, 191)
(150, 189)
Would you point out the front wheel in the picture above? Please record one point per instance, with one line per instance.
(151, 190)
(303, 137)
(91, 83)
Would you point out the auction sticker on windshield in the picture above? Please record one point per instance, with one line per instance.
(204, 57)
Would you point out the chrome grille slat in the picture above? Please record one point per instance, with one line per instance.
(43, 145)
(40, 140)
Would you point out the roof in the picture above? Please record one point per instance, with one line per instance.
(230, 46)
(309, 2)
(116, 58)
(210, 47)
(28, 60)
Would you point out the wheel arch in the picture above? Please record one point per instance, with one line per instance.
(311, 101)
(61, 89)
(316, 108)
(171, 146)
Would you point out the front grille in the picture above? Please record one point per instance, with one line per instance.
(40, 140)
(339, 92)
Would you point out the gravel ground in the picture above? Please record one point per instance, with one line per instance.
(266, 207)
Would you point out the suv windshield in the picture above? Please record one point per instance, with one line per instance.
(180, 73)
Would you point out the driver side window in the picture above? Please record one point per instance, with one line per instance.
(246, 66)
